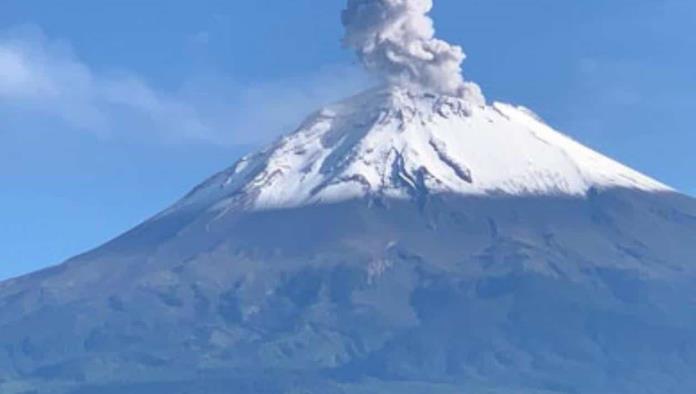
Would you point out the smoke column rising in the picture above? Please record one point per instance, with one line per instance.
(396, 40)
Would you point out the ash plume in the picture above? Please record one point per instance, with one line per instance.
(396, 40)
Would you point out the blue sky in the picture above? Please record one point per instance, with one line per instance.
(111, 110)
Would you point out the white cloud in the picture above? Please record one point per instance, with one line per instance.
(265, 110)
(43, 78)
(15, 75)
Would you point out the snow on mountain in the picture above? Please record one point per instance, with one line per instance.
(392, 143)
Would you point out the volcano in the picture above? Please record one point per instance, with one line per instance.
(396, 242)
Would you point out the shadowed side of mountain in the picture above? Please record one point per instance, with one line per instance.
(545, 294)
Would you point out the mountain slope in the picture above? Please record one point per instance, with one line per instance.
(393, 243)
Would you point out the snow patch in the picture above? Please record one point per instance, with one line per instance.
(397, 144)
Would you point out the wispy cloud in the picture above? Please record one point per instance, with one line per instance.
(43, 78)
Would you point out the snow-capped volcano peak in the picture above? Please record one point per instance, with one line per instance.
(392, 143)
